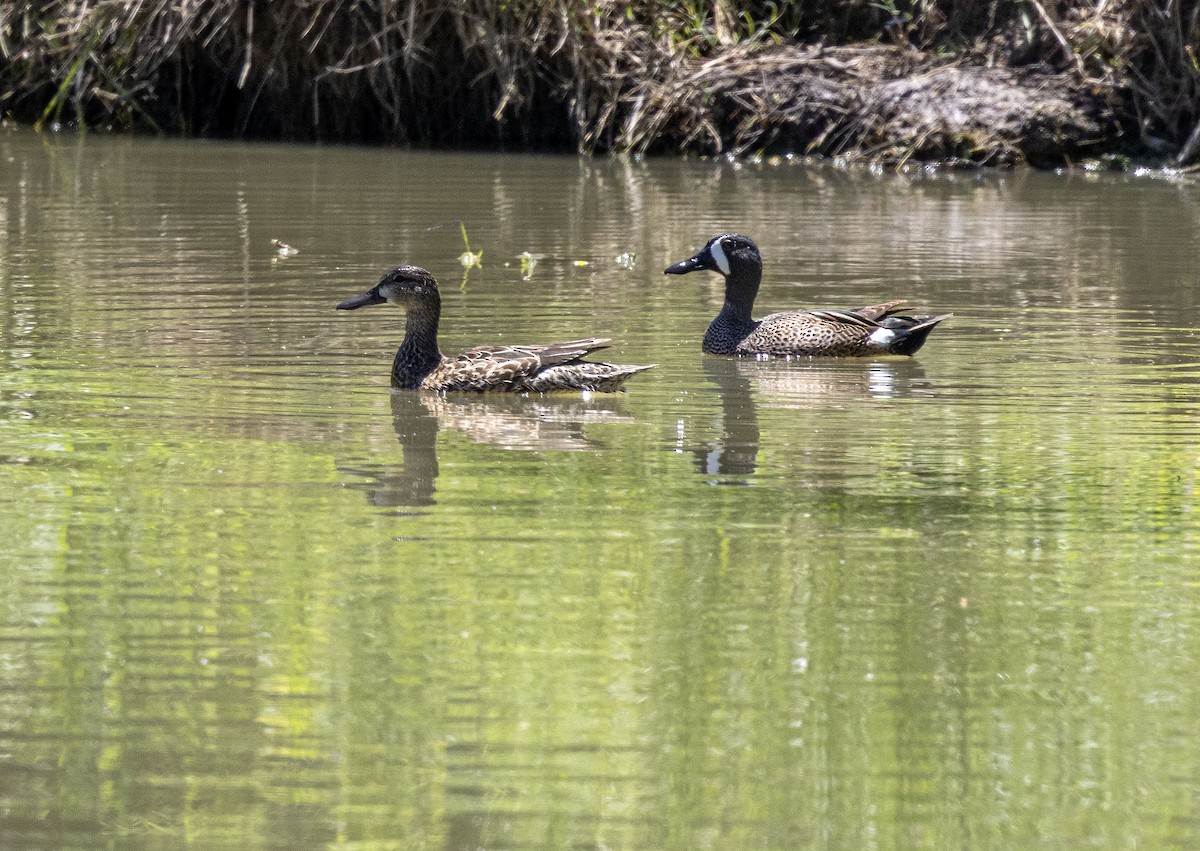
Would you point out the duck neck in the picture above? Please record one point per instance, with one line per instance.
(418, 355)
(741, 289)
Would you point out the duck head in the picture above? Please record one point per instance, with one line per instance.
(731, 254)
(404, 286)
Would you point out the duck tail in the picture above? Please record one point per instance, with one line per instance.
(908, 340)
(611, 376)
(583, 375)
(621, 373)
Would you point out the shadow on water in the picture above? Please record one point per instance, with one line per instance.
(505, 422)
(744, 384)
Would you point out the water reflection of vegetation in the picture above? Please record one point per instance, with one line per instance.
(956, 608)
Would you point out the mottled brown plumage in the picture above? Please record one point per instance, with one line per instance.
(873, 330)
(419, 365)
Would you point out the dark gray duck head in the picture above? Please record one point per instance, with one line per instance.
(731, 254)
(405, 286)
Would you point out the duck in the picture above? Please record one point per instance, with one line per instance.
(877, 329)
(419, 365)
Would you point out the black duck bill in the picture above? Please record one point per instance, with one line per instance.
(702, 260)
(371, 296)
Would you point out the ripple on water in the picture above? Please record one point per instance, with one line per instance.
(250, 597)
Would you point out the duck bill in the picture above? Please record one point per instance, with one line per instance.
(371, 296)
(692, 264)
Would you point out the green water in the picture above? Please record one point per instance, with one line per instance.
(251, 599)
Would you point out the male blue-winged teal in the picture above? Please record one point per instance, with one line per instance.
(872, 330)
(514, 369)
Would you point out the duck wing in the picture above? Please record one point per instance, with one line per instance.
(878, 311)
(887, 315)
(838, 317)
(554, 354)
(506, 367)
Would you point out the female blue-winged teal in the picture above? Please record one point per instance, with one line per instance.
(515, 369)
(873, 330)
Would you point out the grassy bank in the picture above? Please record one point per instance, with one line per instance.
(981, 80)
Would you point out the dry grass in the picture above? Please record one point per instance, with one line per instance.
(984, 80)
(873, 103)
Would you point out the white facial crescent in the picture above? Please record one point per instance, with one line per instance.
(718, 254)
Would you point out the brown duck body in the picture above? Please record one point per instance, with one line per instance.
(873, 330)
(419, 365)
(521, 369)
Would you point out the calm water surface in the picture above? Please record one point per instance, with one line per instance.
(251, 599)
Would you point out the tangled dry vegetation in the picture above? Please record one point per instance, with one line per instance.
(873, 103)
(986, 81)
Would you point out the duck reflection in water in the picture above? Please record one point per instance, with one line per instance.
(505, 422)
(745, 384)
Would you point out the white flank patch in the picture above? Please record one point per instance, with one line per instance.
(718, 254)
(882, 336)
